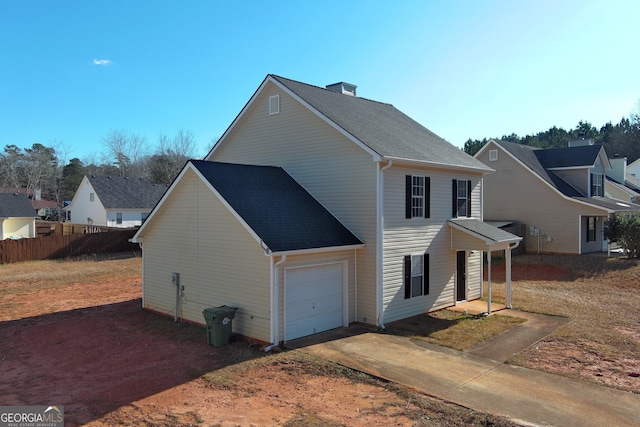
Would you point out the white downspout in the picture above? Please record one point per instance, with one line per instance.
(508, 271)
(379, 244)
(275, 313)
(355, 283)
(489, 281)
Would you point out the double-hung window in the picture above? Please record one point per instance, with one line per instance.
(119, 218)
(591, 229)
(418, 193)
(596, 185)
(416, 275)
(461, 198)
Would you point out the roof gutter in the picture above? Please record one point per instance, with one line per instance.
(268, 251)
(440, 165)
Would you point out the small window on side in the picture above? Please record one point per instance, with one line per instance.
(92, 197)
(274, 104)
(119, 218)
(493, 155)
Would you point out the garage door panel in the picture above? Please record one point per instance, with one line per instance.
(313, 300)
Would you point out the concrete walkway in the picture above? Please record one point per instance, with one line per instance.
(479, 379)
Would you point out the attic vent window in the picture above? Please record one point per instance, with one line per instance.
(493, 155)
(274, 104)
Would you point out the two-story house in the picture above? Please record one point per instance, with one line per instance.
(113, 201)
(558, 193)
(317, 209)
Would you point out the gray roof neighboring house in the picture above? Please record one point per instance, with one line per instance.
(632, 182)
(278, 209)
(16, 206)
(117, 192)
(542, 161)
(568, 157)
(380, 127)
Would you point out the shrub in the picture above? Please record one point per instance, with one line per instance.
(624, 229)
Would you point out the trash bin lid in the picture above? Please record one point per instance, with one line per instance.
(224, 310)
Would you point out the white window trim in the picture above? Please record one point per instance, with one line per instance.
(493, 155)
(466, 197)
(597, 185)
(417, 200)
(416, 275)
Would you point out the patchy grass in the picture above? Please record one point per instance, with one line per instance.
(452, 329)
(600, 295)
(37, 275)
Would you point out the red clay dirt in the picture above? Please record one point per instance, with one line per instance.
(91, 348)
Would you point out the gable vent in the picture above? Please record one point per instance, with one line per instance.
(343, 88)
(274, 105)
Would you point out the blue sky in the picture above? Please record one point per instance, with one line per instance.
(71, 71)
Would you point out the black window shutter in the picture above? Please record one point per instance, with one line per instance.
(469, 198)
(408, 194)
(455, 199)
(407, 276)
(591, 185)
(427, 197)
(426, 273)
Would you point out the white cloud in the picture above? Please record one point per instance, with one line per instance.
(103, 62)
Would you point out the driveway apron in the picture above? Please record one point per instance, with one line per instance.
(480, 380)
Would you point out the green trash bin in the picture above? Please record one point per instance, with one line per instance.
(219, 321)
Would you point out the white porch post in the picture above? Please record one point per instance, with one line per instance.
(489, 282)
(507, 253)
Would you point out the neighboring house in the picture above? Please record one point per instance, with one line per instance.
(633, 169)
(558, 193)
(317, 209)
(17, 217)
(620, 184)
(113, 201)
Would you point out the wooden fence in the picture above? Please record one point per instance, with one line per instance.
(62, 246)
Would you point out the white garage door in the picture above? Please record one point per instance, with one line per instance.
(313, 297)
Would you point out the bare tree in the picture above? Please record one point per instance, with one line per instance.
(171, 156)
(126, 151)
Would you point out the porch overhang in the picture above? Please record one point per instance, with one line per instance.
(473, 234)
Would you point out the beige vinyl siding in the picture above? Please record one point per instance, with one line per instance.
(308, 260)
(614, 192)
(415, 236)
(219, 262)
(578, 178)
(514, 193)
(338, 173)
(474, 275)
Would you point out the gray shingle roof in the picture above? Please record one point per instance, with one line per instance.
(567, 157)
(16, 206)
(381, 127)
(530, 157)
(484, 230)
(126, 193)
(278, 209)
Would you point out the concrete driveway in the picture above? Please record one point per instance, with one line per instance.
(479, 379)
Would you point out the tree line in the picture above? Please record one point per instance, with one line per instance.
(44, 168)
(621, 140)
